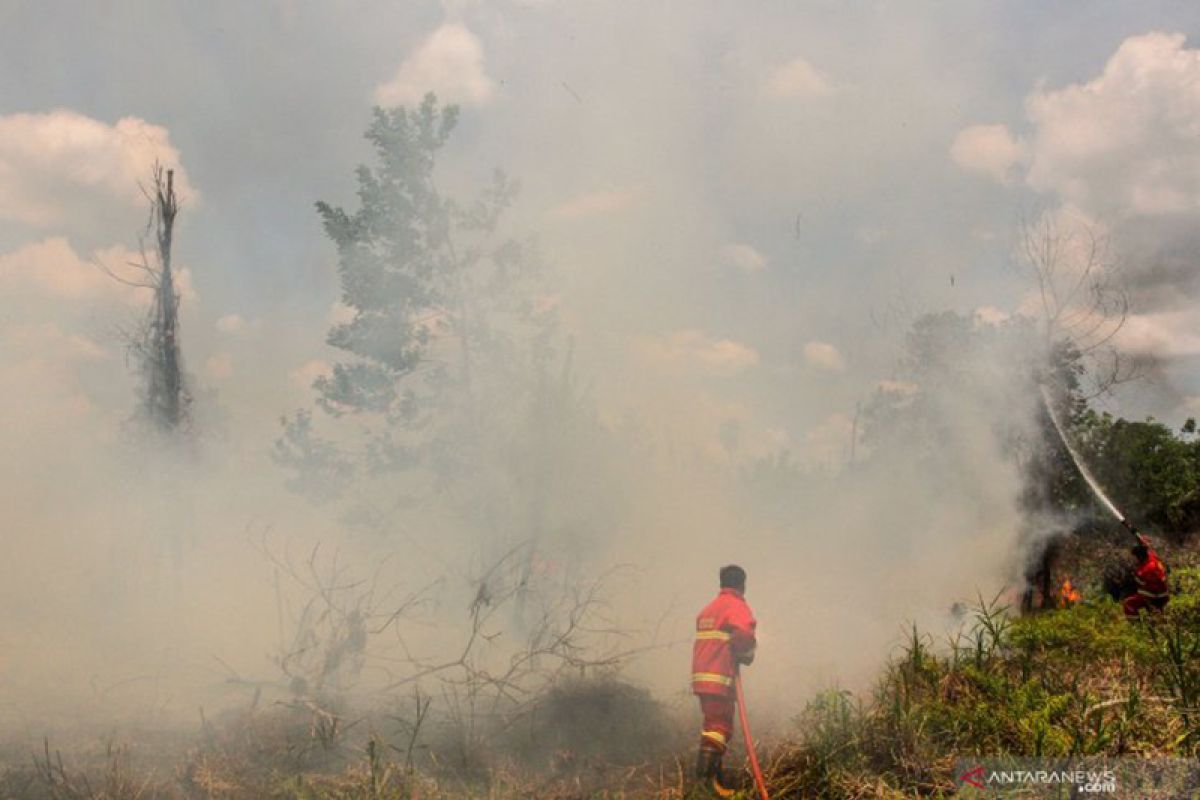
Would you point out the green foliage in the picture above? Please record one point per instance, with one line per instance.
(325, 473)
(1077, 681)
(394, 259)
(1152, 474)
(444, 331)
(1092, 631)
(1185, 583)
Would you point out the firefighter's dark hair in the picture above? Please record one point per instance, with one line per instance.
(733, 577)
(1140, 550)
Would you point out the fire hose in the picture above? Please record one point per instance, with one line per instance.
(741, 704)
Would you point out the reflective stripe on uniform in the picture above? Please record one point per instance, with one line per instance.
(712, 677)
(716, 736)
(1153, 595)
(722, 635)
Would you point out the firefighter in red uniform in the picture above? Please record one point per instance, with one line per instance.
(1150, 575)
(724, 641)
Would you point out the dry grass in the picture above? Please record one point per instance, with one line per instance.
(1077, 681)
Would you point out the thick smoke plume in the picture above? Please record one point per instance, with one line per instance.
(752, 323)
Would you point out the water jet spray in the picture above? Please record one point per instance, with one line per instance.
(1082, 467)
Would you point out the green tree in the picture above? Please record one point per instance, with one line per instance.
(442, 310)
(455, 391)
(1150, 473)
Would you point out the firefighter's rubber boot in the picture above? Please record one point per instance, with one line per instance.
(708, 770)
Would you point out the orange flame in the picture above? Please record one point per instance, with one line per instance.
(1068, 595)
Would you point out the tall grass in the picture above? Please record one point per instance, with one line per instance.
(1081, 681)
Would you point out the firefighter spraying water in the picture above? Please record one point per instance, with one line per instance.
(1149, 590)
(1150, 580)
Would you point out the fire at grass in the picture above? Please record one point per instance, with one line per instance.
(541, 719)
(508, 680)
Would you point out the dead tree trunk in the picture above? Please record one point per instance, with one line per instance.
(166, 401)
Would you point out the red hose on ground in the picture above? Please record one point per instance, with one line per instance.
(741, 704)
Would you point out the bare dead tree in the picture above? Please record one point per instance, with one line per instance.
(154, 343)
(486, 674)
(166, 399)
(567, 629)
(497, 678)
(324, 652)
(324, 640)
(1082, 301)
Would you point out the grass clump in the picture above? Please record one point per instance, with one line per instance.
(1076, 681)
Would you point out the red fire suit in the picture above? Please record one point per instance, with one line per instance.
(1151, 579)
(725, 632)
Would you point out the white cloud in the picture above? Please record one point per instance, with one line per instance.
(51, 375)
(339, 314)
(1168, 334)
(449, 63)
(743, 257)
(49, 340)
(302, 377)
(989, 150)
(823, 355)
(237, 325)
(1124, 142)
(218, 367)
(697, 351)
(52, 270)
(798, 78)
(60, 346)
(827, 444)
(56, 165)
(990, 315)
(592, 204)
(898, 388)
(231, 323)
